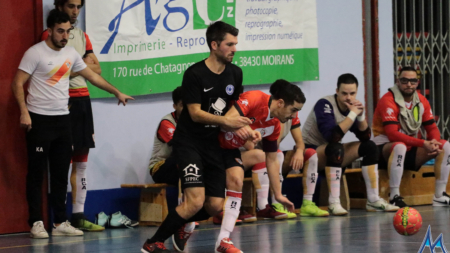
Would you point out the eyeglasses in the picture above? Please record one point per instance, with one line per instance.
(413, 81)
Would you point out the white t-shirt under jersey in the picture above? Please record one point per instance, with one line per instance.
(48, 93)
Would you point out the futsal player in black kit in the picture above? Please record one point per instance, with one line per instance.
(209, 87)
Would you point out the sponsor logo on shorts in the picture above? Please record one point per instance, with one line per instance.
(238, 160)
(191, 173)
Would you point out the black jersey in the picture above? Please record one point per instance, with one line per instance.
(213, 92)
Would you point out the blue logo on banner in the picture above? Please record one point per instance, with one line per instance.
(428, 242)
(150, 22)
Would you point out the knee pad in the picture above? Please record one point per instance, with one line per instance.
(369, 151)
(335, 154)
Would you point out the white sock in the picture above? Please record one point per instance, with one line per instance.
(395, 168)
(189, 227)
(260, 180)
(79, 186)
(230, 213)
(309, 175)
(441, 169)
(333, 175)
(280, 157)
(370, 174)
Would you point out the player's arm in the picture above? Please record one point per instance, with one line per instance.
(200, 116)
(101, 83)
(297, 159)
(19, 80)
(326, 122)
(274, 178)
(165, 131)
(93, 63)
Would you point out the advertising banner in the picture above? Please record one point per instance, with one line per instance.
(144, 46)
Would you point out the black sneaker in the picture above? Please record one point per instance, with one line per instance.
(398, 201)
(179, 239)
(156, 247)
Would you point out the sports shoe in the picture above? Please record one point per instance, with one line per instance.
(441, 201)
(337, 209)
(80, 222)
(270, 213)
(398, 201)
(38, 231)
(179, 239)
(246, 217)
(65, 229)
(380, 205)
(226, 246)
(309, 208)
(281, 209)
(101, 219)
(217, 219)
(156, 247)
(118, 220)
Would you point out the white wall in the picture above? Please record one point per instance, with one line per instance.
(124, 135)
(386, 45)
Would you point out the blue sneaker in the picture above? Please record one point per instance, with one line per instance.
(118, 220)
(101, 219)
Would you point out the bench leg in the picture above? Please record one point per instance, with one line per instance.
(249, 198)
(153, 206)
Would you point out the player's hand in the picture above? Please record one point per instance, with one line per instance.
(285, 202)
(237, 122)
(359, 105)
(433, 147)
(123, 98)
(256, 137)
(25, 121)
(244, 133)
(356, 108)
(297, 160)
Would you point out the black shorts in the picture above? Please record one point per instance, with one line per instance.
(410, 159)
(201, 164)
(232, 158)
(82, 122)
(165, 171)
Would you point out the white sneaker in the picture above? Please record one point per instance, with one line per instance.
(337, 209)
(441, 201)
(65, 229)
(38, 231)
(380, 205)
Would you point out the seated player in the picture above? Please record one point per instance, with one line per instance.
(399, 116)
(330, 119)
(299, 159)
(266, 112)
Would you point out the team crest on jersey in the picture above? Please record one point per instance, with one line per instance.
(68, 64)
(228, 136)
(229, 89)
(327, 108)
(244, 102)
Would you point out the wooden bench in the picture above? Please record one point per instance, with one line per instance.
(153, 203)
(416, 187)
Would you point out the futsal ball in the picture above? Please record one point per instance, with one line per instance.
(407, 221)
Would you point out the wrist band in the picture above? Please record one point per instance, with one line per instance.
(352, 115)
(361, 118)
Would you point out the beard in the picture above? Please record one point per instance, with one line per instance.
(59, 44)
(224, 59)
(408, 93)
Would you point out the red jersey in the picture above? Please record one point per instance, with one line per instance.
(254, 105)
(386, 126)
